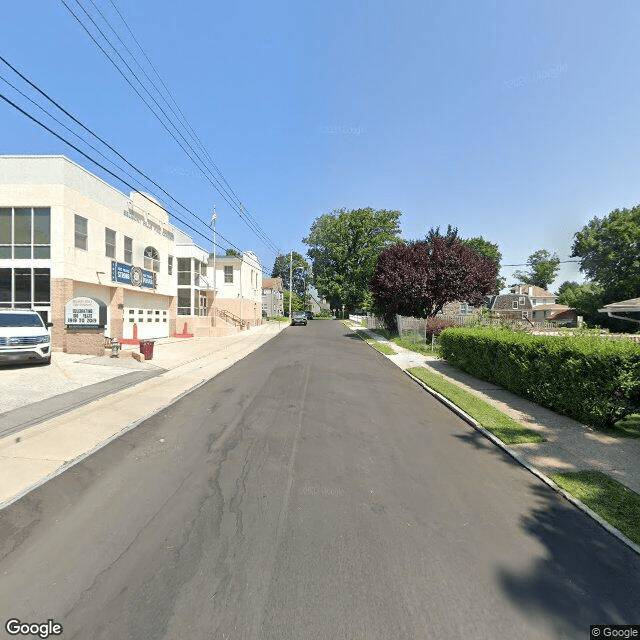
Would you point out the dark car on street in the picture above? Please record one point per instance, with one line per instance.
(298, 317)
(309, 315)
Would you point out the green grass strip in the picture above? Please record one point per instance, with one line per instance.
(380, 346)
(419, 346)
(499, 424)
(612, 501)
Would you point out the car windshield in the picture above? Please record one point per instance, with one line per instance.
(299, 314)
(20, 320)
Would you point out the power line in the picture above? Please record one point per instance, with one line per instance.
(168, 92)
(121, 179)
(526, 264)
(198, 162)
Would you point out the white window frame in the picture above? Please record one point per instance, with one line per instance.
(152, 259)
(128, 253)
(81, 237)
(109, 248)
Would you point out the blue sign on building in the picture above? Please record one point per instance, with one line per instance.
(134, 276)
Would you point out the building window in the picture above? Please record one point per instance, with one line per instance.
(521, 300)
(128, 250)
(184, 271)
(170, 265)
(25, 233)
(81, 231)
(184, 302)
(42, 233)
(5, 287)
(514, 304)
(151, 259)
(228, 274)
(109, 243)
(25, 287)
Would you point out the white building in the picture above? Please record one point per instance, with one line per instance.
(238, 284)
(65, 234)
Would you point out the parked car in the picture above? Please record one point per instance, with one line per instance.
(298, 317)
(309, 315)
(24, 337)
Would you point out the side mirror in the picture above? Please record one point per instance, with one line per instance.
(49, 324)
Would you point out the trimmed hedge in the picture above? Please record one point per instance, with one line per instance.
(588, 378)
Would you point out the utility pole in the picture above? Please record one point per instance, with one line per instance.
(214, 217)
(290, 282)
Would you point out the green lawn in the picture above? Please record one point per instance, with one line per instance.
(499, 424)
(380, 346)
(628, 427)
(416, 343)
(612, 501)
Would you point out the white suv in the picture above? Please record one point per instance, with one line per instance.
(24, 337)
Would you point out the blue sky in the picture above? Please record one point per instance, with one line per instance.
(517, 121)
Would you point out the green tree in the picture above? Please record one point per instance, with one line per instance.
(301, 272)
(344, 246)
(419, 278)
(233, 252)
(566, 293)
(609, 252)
(434, 232)
(297, 303)
(543, 269)
(488, 250)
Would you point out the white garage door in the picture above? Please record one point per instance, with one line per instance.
(145, 316)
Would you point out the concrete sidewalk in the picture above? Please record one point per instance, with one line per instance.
(570, 445)
(31, 456)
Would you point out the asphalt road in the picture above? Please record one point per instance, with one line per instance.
(311, 491)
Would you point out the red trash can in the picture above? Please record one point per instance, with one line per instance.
(146, 349)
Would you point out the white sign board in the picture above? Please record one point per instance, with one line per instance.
(84, 312)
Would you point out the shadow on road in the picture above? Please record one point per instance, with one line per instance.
(588, 576)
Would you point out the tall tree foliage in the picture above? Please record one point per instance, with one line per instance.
(543, 269)
(489, 250)
(301, 272)
(344, 246)
(419, 278)
(609, 252)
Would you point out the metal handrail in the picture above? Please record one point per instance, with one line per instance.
(228, 315)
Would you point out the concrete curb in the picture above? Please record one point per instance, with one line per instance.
(518, 458)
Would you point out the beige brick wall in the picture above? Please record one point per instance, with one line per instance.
(248, 310)
(116, 304)
(61, 293)
(87, 341)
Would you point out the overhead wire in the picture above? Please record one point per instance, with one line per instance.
(168, 92)
(201, 165)
(107, 170)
